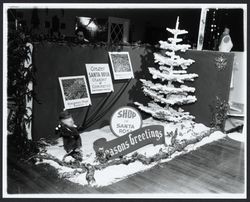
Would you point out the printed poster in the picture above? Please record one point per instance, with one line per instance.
(121, 65)
(74, 91)
(99, 77)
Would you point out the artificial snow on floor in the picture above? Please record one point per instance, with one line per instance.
(116, 173)
(240, 137)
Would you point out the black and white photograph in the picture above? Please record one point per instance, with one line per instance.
(121, 65)
(128, 100)
(74, 91)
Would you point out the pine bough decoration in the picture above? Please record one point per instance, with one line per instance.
(172, 72)
(89, 169)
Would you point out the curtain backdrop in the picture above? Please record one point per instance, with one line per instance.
(57, 60)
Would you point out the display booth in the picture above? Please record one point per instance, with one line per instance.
(54, 60)
(103, 112)
(102, 93)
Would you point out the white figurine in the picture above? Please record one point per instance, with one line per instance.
(226, 43)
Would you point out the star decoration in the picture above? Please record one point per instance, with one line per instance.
(220, 62)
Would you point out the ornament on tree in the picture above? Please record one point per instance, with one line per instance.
(172, 72)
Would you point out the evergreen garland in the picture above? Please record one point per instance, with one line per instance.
(104, 162)
(219, 113)
(19, 94)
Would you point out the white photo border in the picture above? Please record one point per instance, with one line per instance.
(121, 75)
(117, 6)
(85, 101)
(106, 65)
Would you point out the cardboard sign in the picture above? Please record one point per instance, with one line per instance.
(124, 120)
(75, 91)
(121, 65)
(132, 141)
(99, 78)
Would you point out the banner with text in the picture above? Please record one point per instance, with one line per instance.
(132, 141)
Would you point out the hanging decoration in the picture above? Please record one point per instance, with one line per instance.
(220, 62)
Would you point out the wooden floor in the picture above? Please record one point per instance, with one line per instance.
(214, 168)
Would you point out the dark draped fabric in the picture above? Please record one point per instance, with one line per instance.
(57, 60)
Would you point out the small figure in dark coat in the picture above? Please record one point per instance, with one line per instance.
(70, 134)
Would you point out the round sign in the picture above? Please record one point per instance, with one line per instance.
(125, 120)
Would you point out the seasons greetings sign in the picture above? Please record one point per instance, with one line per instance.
(126, 123)
(99, 78)
(132, 141)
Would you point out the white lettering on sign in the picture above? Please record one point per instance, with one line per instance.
(131, 141)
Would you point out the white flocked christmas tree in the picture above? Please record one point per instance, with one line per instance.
(171, 73)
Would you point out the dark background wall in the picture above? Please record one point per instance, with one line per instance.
(146, 25)
(56, 60)
(211, 82)
(219, 19)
